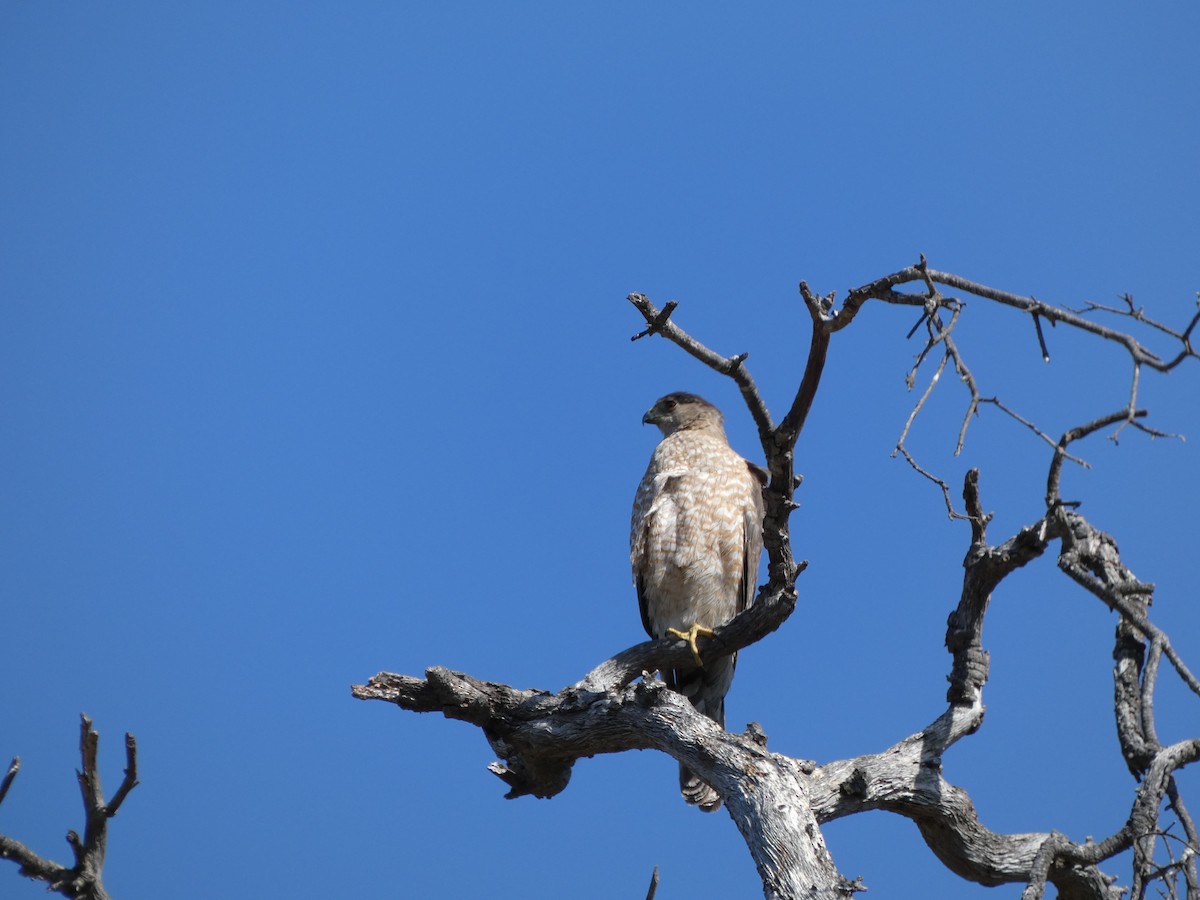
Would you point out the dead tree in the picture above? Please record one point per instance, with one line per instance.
(82, 881)
(779, 803)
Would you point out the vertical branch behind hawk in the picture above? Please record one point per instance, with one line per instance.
(695, 542)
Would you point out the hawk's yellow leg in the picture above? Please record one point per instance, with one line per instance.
(690, 636)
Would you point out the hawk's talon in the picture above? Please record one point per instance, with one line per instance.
(690, 636)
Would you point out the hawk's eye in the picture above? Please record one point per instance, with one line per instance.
(669, 405)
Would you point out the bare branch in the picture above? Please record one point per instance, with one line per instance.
(1149, 683)
(1131, 414)
(769, 611)
(1143, 820)
(653, 885)
(1040, 870)
(912, 416)
(984, 568)
(1138, 315)
(1090, 558)
(1054, 314)
(33, 866)
(994, 401)
(1068, 438)
(968, 378)
(83, 880)
(659, 323)
(1037, 324)
(906, 779)
(884, 289)
(539, 737)
(13, 768)
(130, 781)
(940, 333)
(1189, 862)
(793, 423)
(951, 512)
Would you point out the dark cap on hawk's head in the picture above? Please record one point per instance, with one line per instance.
(680, 411)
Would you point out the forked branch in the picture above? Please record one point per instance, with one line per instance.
(939, 335)
(81, 881)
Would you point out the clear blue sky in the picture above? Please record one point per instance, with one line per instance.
(315, 362)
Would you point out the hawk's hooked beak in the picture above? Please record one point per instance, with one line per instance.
(650, 418)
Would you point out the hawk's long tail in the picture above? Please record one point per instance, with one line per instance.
(706, 689)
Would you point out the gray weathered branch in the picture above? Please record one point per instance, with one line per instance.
(774, 799)
(82, 881)
(539, 737)
(778, 803)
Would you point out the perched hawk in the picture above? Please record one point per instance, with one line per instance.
(694, 542)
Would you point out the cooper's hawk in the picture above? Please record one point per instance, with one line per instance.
(694, 542)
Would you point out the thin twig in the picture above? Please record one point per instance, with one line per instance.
(951, 512)
(130, 781)
(931, 299)
(653, 885)
(659, 323)
(793, 421)
(937, 334)
(1139, 315)
(920, 322)
(1069, 437)
(1130, 418)
(13, 768)
(1037, 324)
(656, 325)
(995, 401)
(937, 373)
(966, 377)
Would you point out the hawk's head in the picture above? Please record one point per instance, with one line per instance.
(680, 411)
